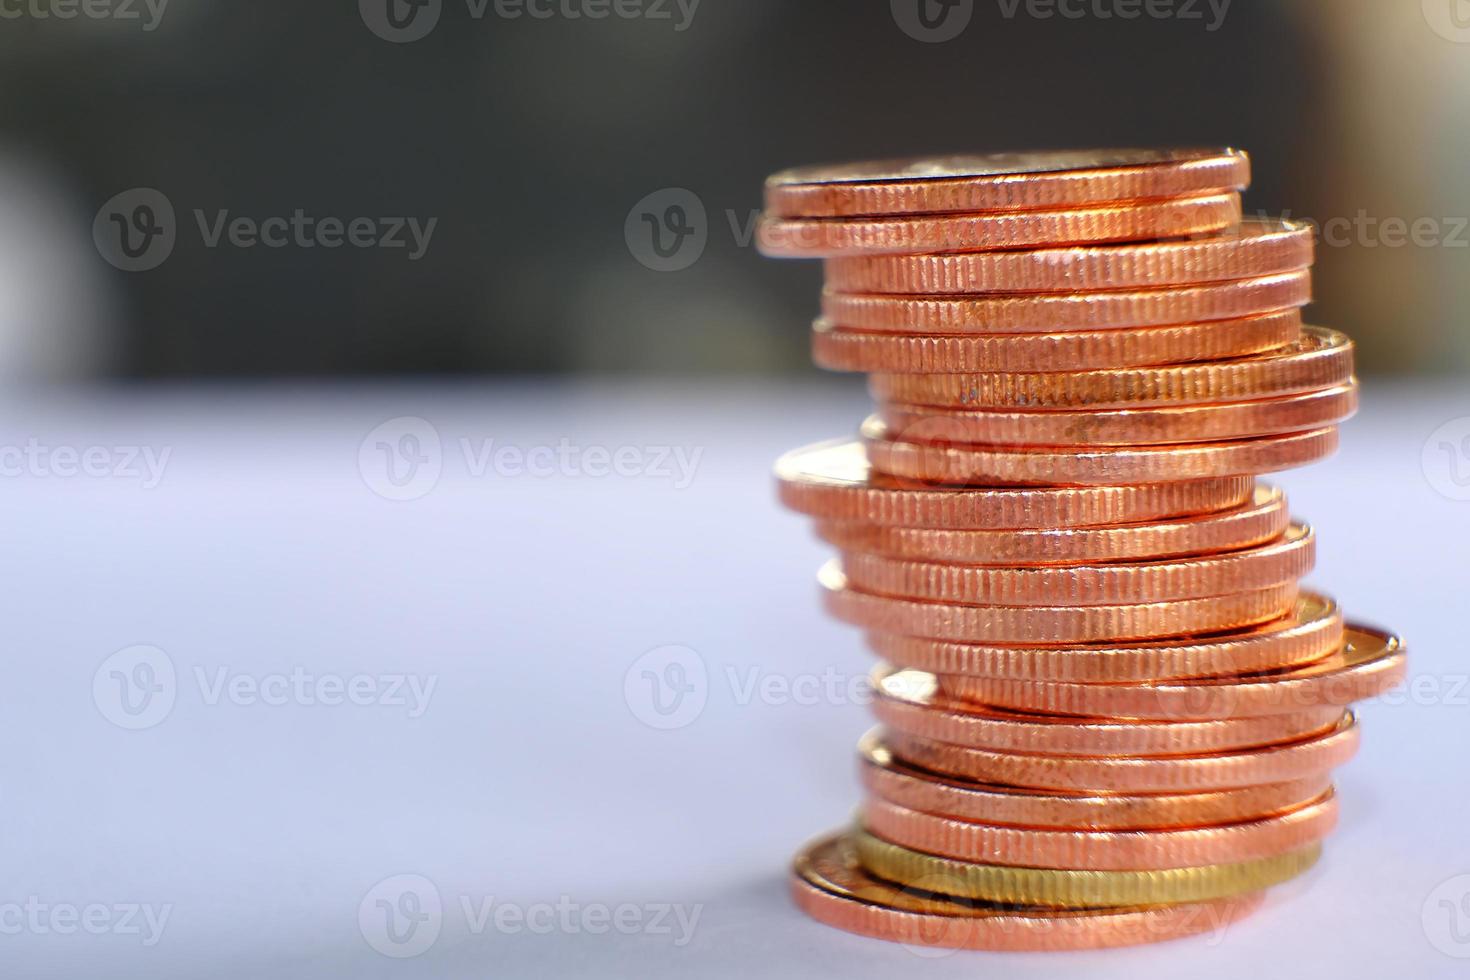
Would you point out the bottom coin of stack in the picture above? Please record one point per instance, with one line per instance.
(1124, 741)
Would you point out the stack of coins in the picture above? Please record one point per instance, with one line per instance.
(1108, 712)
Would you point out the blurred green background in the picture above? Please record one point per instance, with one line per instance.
(528, 140)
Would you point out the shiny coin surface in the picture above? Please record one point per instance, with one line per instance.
(844, 349)
(896, 454)
(1256, 247)
(1128, 850)
(1060, 312)
(911, 702)
(889, 778)
(1312, 630)
(1321, 359)
(1135, 774)
(1002, 182)
(1128, 427)
(1167, 218)
(1257, 522)
(833, 481)
(1050, 625)
(830, 884)
(1368, 663)
(1121, 583)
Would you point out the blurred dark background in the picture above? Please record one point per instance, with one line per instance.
(528, 140)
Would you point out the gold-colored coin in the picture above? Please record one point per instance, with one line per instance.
(1077, 888)
(830, 885)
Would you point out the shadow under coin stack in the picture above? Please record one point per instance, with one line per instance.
(1108, 713)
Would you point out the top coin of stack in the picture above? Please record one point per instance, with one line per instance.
(1005, 200)
(1110, 713)
(1006, 301)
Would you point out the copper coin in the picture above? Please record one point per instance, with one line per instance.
(1128, 850)
(1128, 427)
(1368, 663)
(843, 349)
(1313, 630)
(1002, 182)
(1060, 312)
(892, 779)
(1168, 218)
(1320, 359)
(1116, 584)
(829, 884)
(1050, 625)
(1256, 247)
(911, 702)
(1263, 519)
(1090, 466)
(1135, 774)
(833, 481)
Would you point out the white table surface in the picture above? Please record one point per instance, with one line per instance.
(528, 780)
